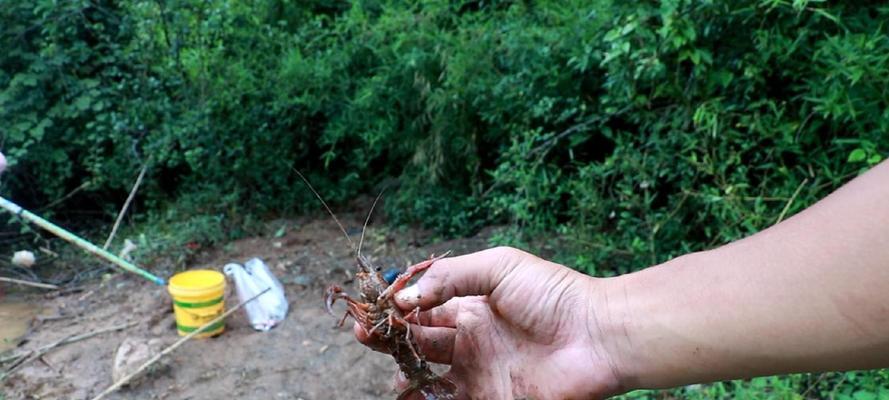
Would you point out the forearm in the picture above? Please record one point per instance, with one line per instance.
(809, 294)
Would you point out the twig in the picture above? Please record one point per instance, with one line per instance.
(51, 318)
(63, 292)
(40, 351)
(820, 378)
(555, 139)
(49, 252)
(65, 197)
(48, 365)
(126, 205)
(169, 349)
(745, 198)
(790, 201)
(29, 283)
(657, 226)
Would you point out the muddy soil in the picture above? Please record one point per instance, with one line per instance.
(303, 358)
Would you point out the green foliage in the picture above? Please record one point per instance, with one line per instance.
(831, 385)
(634, 131)
(58, 93)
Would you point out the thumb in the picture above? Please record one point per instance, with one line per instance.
(476, 274)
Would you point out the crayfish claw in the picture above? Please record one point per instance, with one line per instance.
(402, 279)
(331, 294)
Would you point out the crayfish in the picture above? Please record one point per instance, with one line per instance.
(381, 319)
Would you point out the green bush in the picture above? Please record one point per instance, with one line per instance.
(624, 132)
(638, 131)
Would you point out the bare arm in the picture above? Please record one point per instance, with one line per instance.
(809, 294)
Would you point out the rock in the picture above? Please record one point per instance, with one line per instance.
(24, 258)
(131, 354)
(302, 280)
(164, 326)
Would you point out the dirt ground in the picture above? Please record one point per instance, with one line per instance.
(303, 358)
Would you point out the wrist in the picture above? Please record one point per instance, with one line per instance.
(609, 328)
(628, 311)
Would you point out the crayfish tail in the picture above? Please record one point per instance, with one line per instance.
(437, 388)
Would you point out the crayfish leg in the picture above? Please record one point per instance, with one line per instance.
(345, 315)
(415, 314)
(407, 332)
(379, 324)
(335, 293)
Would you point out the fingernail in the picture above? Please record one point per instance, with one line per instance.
(409, 294)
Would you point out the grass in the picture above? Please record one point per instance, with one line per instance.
(854, 385)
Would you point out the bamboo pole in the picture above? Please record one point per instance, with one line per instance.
(77, 241)
(169, 349)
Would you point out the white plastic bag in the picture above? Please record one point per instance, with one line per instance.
(267, 310)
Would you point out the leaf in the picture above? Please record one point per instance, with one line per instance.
(863, 395)
(857, 155)
(83, 103)
(37, 132)
(27, 79)
(281, 231)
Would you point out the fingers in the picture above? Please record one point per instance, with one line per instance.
(444, 315)
(369, 341)
(470, 275)
(436, 344)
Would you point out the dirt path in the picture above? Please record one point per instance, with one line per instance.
(304, 358)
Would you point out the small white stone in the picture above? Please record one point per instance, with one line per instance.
(23, 258)
(128, 247)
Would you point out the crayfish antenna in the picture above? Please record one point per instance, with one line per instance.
(342, 229)
(366, 220)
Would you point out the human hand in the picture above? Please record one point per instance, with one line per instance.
(510, 325)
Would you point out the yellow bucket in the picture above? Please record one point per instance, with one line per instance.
(198, 299)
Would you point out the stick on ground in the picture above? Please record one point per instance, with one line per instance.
(24, 358)
(29, 283)
(169, 349)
